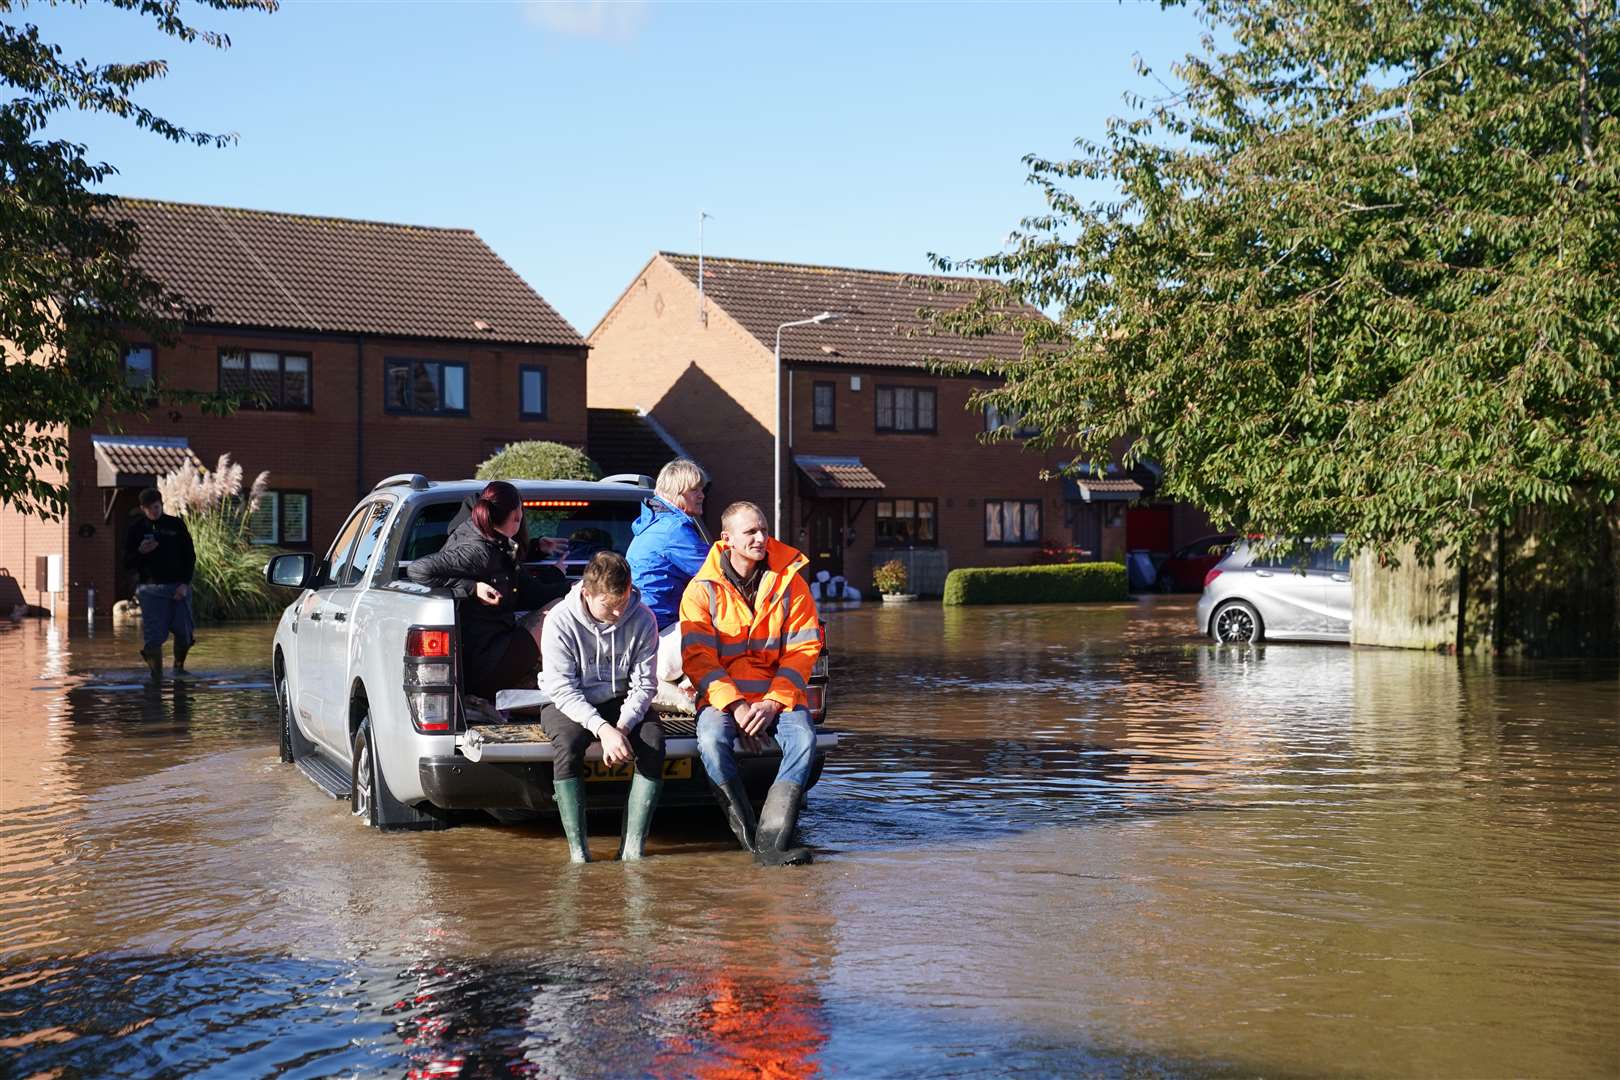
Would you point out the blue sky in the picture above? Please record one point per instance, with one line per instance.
(577, 138)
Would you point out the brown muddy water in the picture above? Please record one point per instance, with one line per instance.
(1060, 841)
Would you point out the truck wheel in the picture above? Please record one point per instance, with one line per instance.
(370, 799)
(363, 775)
(287, 755)
(1236, 623)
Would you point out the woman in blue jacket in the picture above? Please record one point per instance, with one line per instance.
(669, 548)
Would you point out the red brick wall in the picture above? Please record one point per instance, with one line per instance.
(315, 450)
(23, 537)
(951, 466)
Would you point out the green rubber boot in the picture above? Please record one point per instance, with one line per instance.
(570, 796)
(638, 812)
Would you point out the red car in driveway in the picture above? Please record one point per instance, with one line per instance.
(1184, 570)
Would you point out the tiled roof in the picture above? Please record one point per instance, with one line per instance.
(835, 475)
(622, 441)
(296, 272)
(139, 460)
(879, 323)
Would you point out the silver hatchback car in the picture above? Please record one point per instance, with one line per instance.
(1304, 596)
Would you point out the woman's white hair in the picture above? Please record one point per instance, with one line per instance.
(679, 477)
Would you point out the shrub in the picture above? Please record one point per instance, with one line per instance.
(890, 577)
(539, 461)
(1068, 584)
(229, 580)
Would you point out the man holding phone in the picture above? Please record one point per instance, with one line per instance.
(750, 636)
(158, 549)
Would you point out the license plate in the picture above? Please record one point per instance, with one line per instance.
(674, 769)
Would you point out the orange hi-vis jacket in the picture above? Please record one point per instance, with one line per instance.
(734, 653)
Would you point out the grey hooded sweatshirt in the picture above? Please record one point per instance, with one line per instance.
(584, 663)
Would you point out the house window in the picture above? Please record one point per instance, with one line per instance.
(997, 419)
(425, 387)
(273, 380)
(825, 414)
(138, 369)
(905, 408)
(531, 393)
(907, 522)
(282, 517)
(1012, 521)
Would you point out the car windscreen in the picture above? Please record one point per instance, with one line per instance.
(568, 529)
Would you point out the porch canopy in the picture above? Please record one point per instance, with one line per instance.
(125, 461)
(838, 477)
(1089, 485)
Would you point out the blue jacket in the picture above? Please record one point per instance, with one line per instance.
(668, 550)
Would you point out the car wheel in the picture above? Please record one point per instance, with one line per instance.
(363, 775)
(287, 755)
(1236, 623)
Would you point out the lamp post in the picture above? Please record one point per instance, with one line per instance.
(776, 489)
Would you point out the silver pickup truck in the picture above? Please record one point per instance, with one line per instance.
(366, 667)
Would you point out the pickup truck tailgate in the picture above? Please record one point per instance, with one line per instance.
(527, 742)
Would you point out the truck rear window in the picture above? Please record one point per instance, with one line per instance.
(586, 526)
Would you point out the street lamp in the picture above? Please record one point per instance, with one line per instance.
(825, 316)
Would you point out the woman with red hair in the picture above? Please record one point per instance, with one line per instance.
(479, 563)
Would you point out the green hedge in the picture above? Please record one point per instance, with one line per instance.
(1068, 584)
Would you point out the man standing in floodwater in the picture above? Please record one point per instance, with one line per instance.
(158, 548)
(749, 639)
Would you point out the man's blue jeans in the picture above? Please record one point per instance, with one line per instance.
(794, 731)
(161, 614)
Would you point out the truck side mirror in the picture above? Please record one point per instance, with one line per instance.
(290, 571)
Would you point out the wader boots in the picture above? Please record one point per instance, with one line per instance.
(570, 796)
(154, 661)
(638, 812)
(776, 821)
(733, 799)
(180, 658)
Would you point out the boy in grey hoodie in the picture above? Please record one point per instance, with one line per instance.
(598, 664)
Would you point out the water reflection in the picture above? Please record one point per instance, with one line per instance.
(1059, 841)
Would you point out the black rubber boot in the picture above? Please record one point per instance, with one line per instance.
(733, 799)
(776, 821)
(180, 658)
(154, 662)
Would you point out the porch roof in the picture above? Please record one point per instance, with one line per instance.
(838, 477)
(139, 460)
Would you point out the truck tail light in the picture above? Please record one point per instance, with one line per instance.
(1211, 576)
(816, 699)
(430, 678)
(422, 641)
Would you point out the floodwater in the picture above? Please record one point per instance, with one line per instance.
(1060, 841)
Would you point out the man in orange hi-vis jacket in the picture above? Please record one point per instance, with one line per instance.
(749, 638)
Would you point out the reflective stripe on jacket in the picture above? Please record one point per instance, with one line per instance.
(734, 653)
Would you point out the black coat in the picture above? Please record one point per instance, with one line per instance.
(467, 558)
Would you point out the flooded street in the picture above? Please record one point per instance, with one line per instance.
(1058, 841)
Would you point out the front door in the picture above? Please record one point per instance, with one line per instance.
(825, 525)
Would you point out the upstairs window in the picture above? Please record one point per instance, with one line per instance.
(138, 367)
(1005, 419)
(531, 393)
(271, 380)
(425, 387)
(905, 408)
(824, 411)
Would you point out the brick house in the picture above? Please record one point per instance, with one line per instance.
(882, 458)
(379, 348)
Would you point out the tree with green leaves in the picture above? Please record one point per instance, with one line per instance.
(1357, 270)
(538, 460)
(72, 289)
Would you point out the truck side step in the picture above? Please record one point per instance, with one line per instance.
(329, 776)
